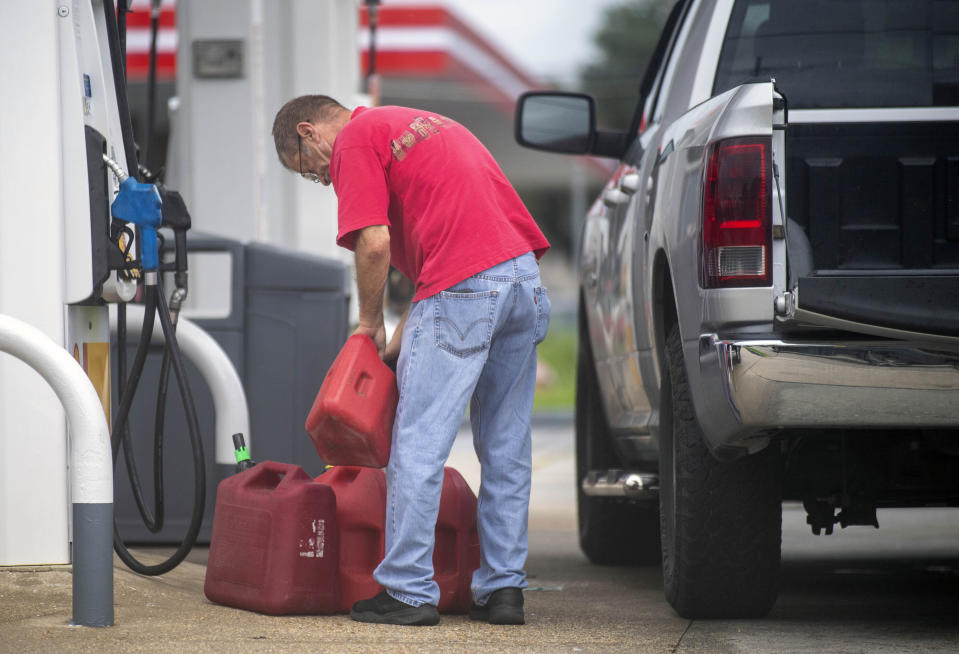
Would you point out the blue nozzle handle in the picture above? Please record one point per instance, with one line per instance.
(149, 249)
(140, 204)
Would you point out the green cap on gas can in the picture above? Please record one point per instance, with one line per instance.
(241, 451)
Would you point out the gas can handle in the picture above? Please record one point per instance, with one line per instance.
(362, 384)
(280, 473)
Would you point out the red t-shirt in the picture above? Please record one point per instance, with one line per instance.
(451, 211)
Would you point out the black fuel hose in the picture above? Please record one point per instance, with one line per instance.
(152, 520)
(155, 305)
(122, 10)
(152, 83)
(120, 83)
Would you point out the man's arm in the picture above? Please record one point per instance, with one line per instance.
(372, 267)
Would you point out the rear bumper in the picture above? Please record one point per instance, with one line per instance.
(746, 387)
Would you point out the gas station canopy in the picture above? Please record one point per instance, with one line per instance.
(427, 56)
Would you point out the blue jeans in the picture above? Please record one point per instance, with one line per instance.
(474, 343)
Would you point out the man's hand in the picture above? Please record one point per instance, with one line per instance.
(392, 352)
(378, 334)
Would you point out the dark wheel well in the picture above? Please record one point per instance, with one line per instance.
(664, 306)
(612, 531)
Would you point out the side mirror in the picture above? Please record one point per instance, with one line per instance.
(556, 122)
(566, 123)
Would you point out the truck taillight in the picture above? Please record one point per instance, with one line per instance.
(737, 233)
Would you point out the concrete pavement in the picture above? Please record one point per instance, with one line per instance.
(571, 605)
(895, 589)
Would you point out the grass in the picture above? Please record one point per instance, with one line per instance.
(558, 353)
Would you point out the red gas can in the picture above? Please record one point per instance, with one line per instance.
(457, 552)
(361, 516)
(274, 543)
(351, 422)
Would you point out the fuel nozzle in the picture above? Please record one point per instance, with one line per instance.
(139, 204)
(176, 217)
(242, 453)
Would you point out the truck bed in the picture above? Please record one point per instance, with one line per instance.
(879, 204)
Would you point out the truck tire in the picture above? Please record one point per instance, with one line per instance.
(721, 521)
(611, 531)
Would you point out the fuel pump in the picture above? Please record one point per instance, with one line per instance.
(127, 210)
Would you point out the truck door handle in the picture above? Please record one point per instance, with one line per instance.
(613, 197)
(590, 278)
(665, 152)
(630, 183)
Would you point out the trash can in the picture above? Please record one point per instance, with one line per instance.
(281, 317)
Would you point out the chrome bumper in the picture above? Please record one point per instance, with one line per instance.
(748, 386)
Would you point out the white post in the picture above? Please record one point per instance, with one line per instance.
(91, 468)
(229, 398)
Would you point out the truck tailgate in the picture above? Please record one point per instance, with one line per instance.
(916, 303)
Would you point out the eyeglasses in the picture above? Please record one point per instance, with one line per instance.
(313, 177)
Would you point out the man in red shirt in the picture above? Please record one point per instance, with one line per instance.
(419, 191)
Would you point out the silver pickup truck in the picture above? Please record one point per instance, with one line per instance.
(769, 287)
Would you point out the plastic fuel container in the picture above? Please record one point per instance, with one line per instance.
(351, 422)
(457, 551)
(274, 545)
(361, 516)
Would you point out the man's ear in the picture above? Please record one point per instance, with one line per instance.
(305, 129)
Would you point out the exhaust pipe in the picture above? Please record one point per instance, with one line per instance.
(621, 483)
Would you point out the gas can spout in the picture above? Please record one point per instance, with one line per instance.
(242, 453)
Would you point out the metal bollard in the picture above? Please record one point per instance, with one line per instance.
(91, 468)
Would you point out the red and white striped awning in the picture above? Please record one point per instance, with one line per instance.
(138, 40)
(429, 41)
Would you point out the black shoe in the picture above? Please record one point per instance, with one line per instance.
(384, 609)
(504, 606)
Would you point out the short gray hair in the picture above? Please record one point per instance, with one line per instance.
(306, 108)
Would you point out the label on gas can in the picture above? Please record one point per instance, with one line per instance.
(312, 547)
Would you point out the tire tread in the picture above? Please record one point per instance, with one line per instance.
(728, 519)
